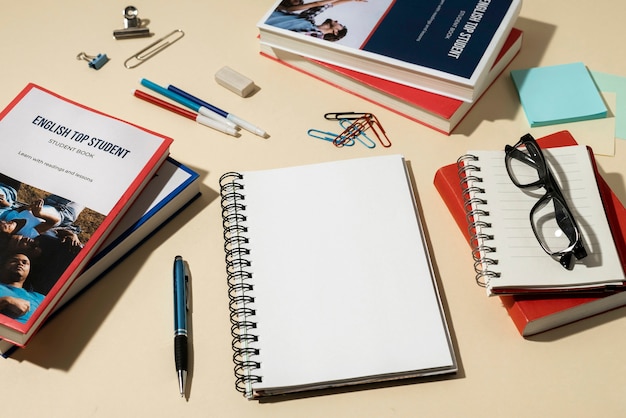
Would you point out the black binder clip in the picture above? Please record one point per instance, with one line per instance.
(133, 26)
(94, 62)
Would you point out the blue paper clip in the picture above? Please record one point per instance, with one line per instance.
(327, 136)
(348, 126)
(94, 62)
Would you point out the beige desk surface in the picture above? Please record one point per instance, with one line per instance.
(110, 352)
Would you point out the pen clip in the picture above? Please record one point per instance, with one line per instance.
(187, 275)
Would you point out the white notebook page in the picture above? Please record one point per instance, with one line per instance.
(343, 285)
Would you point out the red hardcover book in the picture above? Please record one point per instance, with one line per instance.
(533, 314)
(436, 111)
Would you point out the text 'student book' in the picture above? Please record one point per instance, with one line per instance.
(330, 278)
(444, 47)
(170, 190)
(535, 313)
(439, 112)
(68, 176)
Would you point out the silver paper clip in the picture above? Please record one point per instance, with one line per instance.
(153, 49)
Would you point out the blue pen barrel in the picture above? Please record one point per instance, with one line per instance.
(180, 321)
(180, 298)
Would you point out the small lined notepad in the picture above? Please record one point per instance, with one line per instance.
(517, 263)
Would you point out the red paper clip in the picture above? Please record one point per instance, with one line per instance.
(359, 126)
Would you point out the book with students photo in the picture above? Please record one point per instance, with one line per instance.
(169, 191)
(535, 313)
(445, 48)
(69, 175)
(439, 112)
(331, 284)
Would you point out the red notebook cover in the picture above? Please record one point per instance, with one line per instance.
(535, 313)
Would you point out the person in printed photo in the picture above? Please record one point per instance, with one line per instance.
(301, 18)
(17, 301)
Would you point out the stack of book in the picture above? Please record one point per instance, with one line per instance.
(428, 61)
(170, 191)
(81, 190)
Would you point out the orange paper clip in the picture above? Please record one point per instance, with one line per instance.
(362, 137)
(359, 126)
(378, 130)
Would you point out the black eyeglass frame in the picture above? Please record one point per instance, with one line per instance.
(535, 158)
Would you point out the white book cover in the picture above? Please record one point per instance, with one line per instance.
(445, 47)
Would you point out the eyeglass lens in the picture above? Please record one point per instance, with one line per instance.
(553, 225)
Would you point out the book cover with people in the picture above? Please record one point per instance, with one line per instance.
(446, 47)
(68, 175)
(170, 190)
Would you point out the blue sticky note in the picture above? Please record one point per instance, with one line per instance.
(558, 94)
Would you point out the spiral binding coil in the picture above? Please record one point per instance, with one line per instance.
(239, 282)
(477, 219)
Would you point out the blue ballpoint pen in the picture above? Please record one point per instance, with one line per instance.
(229, 116)
(181, 283)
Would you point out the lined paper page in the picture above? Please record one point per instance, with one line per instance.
(521, 260)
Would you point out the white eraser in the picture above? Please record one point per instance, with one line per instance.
(235, 82)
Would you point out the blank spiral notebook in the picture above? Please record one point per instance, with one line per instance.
(330, 278)
(510, 259)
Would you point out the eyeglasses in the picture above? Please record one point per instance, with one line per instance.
(551, 219)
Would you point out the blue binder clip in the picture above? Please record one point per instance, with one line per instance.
(94, 62)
